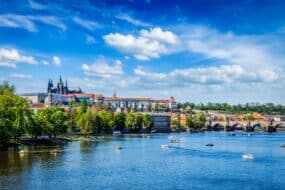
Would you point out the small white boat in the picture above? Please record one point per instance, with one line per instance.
(248, 156)
(118, 147)
(164, 146)
(249, 134)
(116, 133)
(174, 141)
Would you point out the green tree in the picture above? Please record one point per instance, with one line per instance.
(119, 120)
(98, 124)
(87, 123)
(131, 121)
(59, 121)
(190, 122)
(83, 107)
(33, 127)
(4, 131)
(6, 88)
(43, 119)
(107, 120)
(139, 121)
(199, 120)
(53, 120)
(147, 121)
(13, 113)
(71, 120)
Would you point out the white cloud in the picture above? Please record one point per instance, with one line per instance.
(8, 64)
(17, 21)
(10, 57)
(56, 60)
(44, 62)
(27, 21)
(49, 20)
(160, 35)
(147, 45)
(101, 68)
(232, 67)
(19, 75)
(36, 5)
(250, 51)
(131, 20)
(90, 25)
(90, 39)
(223, 74)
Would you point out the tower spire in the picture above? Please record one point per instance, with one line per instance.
(114, 94)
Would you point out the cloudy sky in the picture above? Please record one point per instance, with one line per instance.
(196, 50)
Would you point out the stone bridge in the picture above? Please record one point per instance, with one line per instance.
(249, 126)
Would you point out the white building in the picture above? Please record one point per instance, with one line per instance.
(34, 98)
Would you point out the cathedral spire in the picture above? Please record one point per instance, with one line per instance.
(114, 94)
(60, 80)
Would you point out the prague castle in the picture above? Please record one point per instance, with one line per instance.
(61, 94)
(60, 88)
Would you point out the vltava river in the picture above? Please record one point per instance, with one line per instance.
(143, 164)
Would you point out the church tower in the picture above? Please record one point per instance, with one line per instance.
(60, 86)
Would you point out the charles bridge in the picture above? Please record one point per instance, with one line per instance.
(248, 126)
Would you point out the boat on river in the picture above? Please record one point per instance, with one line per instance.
(248, 156)
(164, 146)
(118, 147)
(117, 133)
(175, 141)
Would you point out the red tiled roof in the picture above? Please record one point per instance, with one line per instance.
(170, 100)
(83, 95)
(126, 99)
(161, 101)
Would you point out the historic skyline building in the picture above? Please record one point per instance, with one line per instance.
(60, 88)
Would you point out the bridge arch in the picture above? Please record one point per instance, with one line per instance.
(218, 127)
(238, 126)
(280, 126)
(256, 125)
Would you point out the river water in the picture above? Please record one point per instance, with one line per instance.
(143, 164)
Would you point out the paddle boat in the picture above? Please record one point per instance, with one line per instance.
(232, 134)
(118, 147)
(117, 133)
(282, 145)
(174, 141)
(164, 146)
(209, 144)
(248, 156)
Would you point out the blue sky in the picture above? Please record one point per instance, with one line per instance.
(200, 51)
